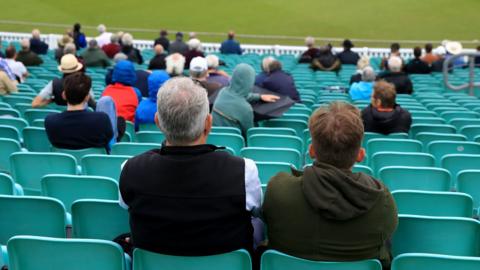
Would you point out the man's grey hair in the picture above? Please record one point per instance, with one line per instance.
(368, 74)
(212, 61)
(101, 28)
(127, 39)
(395, 64)
(266, 63)
(182, 110)
(119, 57)
(175, 64)
(92, 43)
(194, 44)
(25, 44)
(309, 41)
(114, 38)
(70, 49)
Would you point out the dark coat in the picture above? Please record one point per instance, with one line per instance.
(157, 62)
(417, 66)
(281, 83)
(162, 41)
(398, 120)
(37, 46)
(348, 57)
(403, 84)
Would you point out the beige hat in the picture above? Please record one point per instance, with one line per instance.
(454, 47)
(69, 64)
(64, 40)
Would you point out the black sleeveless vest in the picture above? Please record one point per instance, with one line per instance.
(187, 201)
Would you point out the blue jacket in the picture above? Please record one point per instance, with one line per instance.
(230, 46)
(147, 108)
(124, 73)
(361, 90)
(281, 83)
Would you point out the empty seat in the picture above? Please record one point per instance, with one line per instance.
(434, 261)
(436, 128)
(7, 147)
(80, 153)
(297, 125)
(150, 137)
(103, 165)
(35, 139)
(441, 148)
(133, 149)
(266, 170)
(234, 141)
(393, 145)
(7, 186)
(271, 131)
(468, 181)
(9, 112)
(232, 130)
(415, 178)
(384, 159)
(456, 163)
(428, 137)
(17, 123)
(276, 141)
(34, 114)
(273, 155)
(471, 131)
(9, 132)
(367, 136)
(449, 115)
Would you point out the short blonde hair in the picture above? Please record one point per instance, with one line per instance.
(36, 33)
(175, 64)
(127, 39)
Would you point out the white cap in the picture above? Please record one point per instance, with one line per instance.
(198, 64)
(454, 47)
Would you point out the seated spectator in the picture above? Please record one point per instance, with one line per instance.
(363, 90)
(216, 75)
(347, 57)
(192, 35)
(122, 91)
(429, 57)
(280, 82)
(53, 91)
(199, 74)
(178, 46)
(453, 48)
(175, 64)
(384, 115)
(329, 213)
(437, 66)
(416, 65)
(7, 85)
(26, 56)
(17, 68)
(148, 107)
(94, 56)
(163, 40)
(311, 53)
(61, 42)
(477, 59)
(260, 78)
(158, 61)
(194, 50)
(326, 60)
(132, 53)
(71, 49)
(1, 51)
(104, 37)
(78, 128)
(79, 38)
(36, 44)
(230, 46)
(142, 76)
(394, 51)
(401, 81)
(361, 64)
(113, 47)
(203, 210)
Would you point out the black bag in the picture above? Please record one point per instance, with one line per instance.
(125, 241)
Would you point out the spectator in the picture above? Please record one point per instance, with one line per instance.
(158, 61)
(175, 64)
(416, 65)
(199, 74)
(178, 46)
(477, 59)
(347, 57)
(326, 61)
(203, 210)
(437, 66)
(453, 48)
(53, 91)
(311, 53)
(78, 128)
(142, 76)
(192, 35)
(363, 90)
(260, 78)
(7, 85)
(329, 213)
(6, 68)
(113, 47)
(384, 115)
(361, 64)
(122, 91)
(429, 57)
(71, 49)
(17, 68)
(78, 37)
(26, 56)
(230, 46)
(216, 75)
(280, 82)
(61, 46)
(394, 51)
(94, 56)
(401, 81)
(163, 40)
(36, 44)
(148, 107)
(1, 51)
(104, 37)
(195, 50)
(132, 53)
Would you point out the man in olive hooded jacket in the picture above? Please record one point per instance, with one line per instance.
(330, 213)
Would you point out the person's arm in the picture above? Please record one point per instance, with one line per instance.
(253, 188)
(254, 97)
(121, 188)
(44, 97)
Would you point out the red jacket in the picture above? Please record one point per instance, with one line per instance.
(111, 49)
(125, 98)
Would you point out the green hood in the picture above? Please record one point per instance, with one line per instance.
(242, 81)
(340, 194)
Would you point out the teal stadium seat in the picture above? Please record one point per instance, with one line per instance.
(35, 139)
(148, 127)
(17, 123)
(271, 131)
(276, 141)
(384, 159)
(9, 112)
(471, 131)
(367, 136)
(363, 169)
(286, 155)
(133, 149)
(9, 132)
(297, 125)
(456, 163)
(80, 153)
(234, 141)
(34, 114)
(393, 145)
(7, 147)
(103, 165)
(441, 148)
(232, 130)
(7, 185)
(150, 137)
(434, 261)
(468, 181)
(266, 170)
(415, 178)
(445, 128)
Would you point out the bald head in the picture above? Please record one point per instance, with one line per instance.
(158, 49)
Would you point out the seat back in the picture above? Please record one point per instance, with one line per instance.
(271, 131)
(9, 132)
(266, 170)
(7, 186)
(297, 125)
(273, 155)
(231, 130)
(468, 181)
(367, 136)
(415, 178)
(428, 137)
(7, 147)
(456, 163)
(276, 141)
(236, 260)
(434, 261)
(133, 149)
(234, 141)
(150, 137)
(384, 159)
(35, 139)
(103, 165)
(17, 123)
(418, 128)
(441, 148)
(394, 145)
(80, 153)
(30, 252)
(34, 114)
(148, 127)
(471, 131)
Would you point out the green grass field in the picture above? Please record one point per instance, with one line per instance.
(368, 19)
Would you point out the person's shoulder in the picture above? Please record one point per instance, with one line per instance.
(283, 182)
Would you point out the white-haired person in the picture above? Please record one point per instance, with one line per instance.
(158, 61)
(394, 51)
(61, 42)
(395, 76)
(194, 50)
(36, 44)
(132, 53)
(311, 53)
(26, 56)
(112, 48)
(175, 64)
(363, 90)
(93, 56)
(260, 78)
(104, 37)
(362, 63)
(214, 74)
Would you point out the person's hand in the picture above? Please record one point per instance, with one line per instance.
(269, 98)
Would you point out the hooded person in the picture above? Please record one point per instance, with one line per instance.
(122, 91)
(147, 108)
(329, 213)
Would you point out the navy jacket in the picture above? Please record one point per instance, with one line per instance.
(230, 46)
(37, 46)
(282, 83)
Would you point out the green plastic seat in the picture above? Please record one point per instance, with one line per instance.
(415, 178)
(231, 130)
(297, 125)
(17, 123)
(148, 127)
(416, 113)
(274, 260)
(276, 141)
(456, 163)
(428, 120)
(133, 149)
(34, 114)
(449, 115)
(428, 137)
(271, 131)
(28, 168)
(7, 147)
(367, 136)
(12, 99)
(468, 181)
(80, 153)
(393, 145)
(35, 139)
(439, 235)
(103, 165)
(363, 169)
(266, 170)
(434, 261)
(29, 215)
(285, 155)
(9, 112)
(236, 260)
(433, 203)
(459, 123)
(471, 131)
(234, 141)
(295, 116)
(383, 159)
(31, 252)
(69, 188)
(130, 128)
(441, 148)
(437, 128)
(9, 132)
(99, 219)
(150, 137)
(7, 186)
